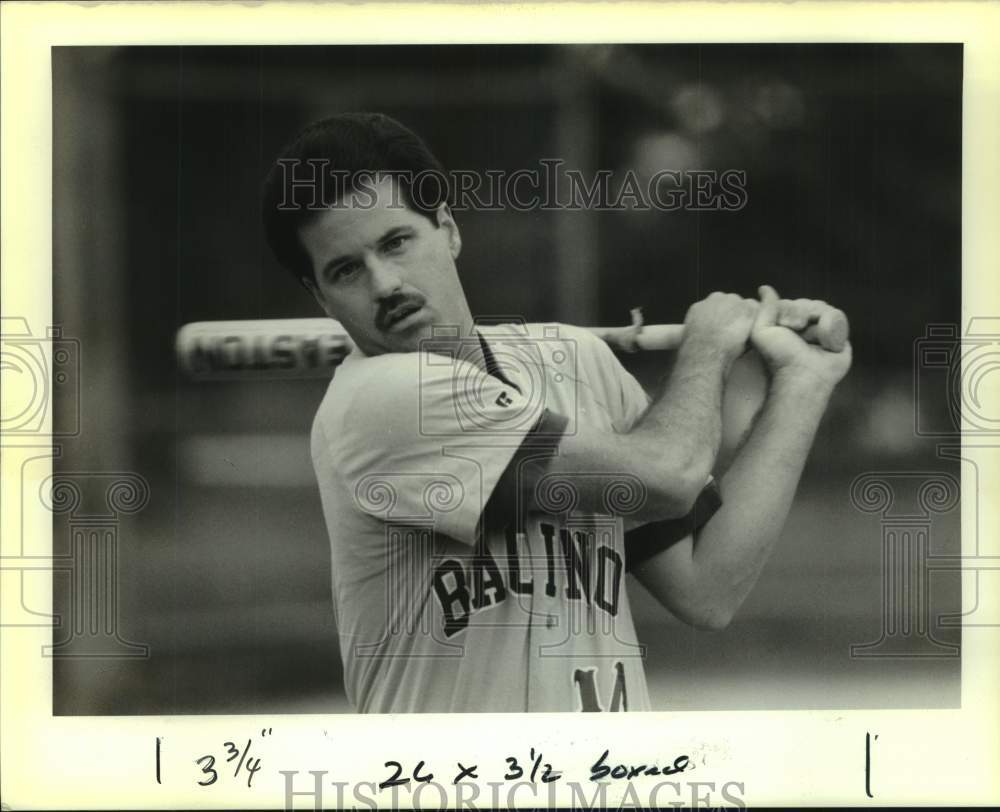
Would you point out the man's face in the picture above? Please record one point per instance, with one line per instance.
(385, 272)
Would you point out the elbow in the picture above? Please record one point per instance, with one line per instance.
(706, 615)
(706, 618)
(672, 480)
(678, 489)
(716, 620)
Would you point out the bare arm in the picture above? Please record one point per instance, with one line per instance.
(705, 579)
(672, 449)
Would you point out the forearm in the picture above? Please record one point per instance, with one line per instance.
(704, 577)
(670, 451)
(757, 490)
(686, 420)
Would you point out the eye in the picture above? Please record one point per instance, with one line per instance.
(395, 243)
(345, 271)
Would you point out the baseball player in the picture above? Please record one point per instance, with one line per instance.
(486, 487)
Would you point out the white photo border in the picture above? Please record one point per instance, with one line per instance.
(797, 758)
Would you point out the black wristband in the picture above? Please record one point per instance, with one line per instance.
(644, 542)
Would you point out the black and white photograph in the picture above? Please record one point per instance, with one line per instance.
(393, 379)
(510, 378)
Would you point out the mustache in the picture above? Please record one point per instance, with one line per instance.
(393, 306)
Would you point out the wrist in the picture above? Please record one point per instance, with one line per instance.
(702, 352)
(801, 384)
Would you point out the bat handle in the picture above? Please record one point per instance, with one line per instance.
(650, 337)
(660, 337)
(830, 332)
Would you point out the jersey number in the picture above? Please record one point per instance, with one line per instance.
(586, 683)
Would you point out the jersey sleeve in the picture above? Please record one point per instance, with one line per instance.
(424, 439)
(629, 399)
(635, 401)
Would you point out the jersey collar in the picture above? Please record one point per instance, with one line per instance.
(492, 366)
(508, 374)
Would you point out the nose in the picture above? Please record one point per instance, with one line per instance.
(384, 278)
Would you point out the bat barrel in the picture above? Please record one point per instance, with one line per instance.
(268, 348)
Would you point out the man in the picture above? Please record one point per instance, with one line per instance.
(485, 488)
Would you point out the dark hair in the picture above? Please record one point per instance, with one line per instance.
(347, 147)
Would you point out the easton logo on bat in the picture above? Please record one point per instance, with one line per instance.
(279, 348)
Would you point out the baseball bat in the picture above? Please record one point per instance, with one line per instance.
(313, 348)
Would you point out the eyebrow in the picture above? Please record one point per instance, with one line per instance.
(334, 263)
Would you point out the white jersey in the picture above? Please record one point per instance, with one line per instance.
(442, 605)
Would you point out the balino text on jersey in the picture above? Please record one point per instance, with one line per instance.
(593, 573)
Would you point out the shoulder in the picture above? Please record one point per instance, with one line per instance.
(392, 377)
(554, 344)
(363, 384)
(581, 341)
(385, 393)
(593, 358)
(585, 342)
(555, 330)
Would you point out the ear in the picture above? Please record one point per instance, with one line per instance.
(313, 288)
(447, 222)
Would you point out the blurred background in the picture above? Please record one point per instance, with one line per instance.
(852, 157)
